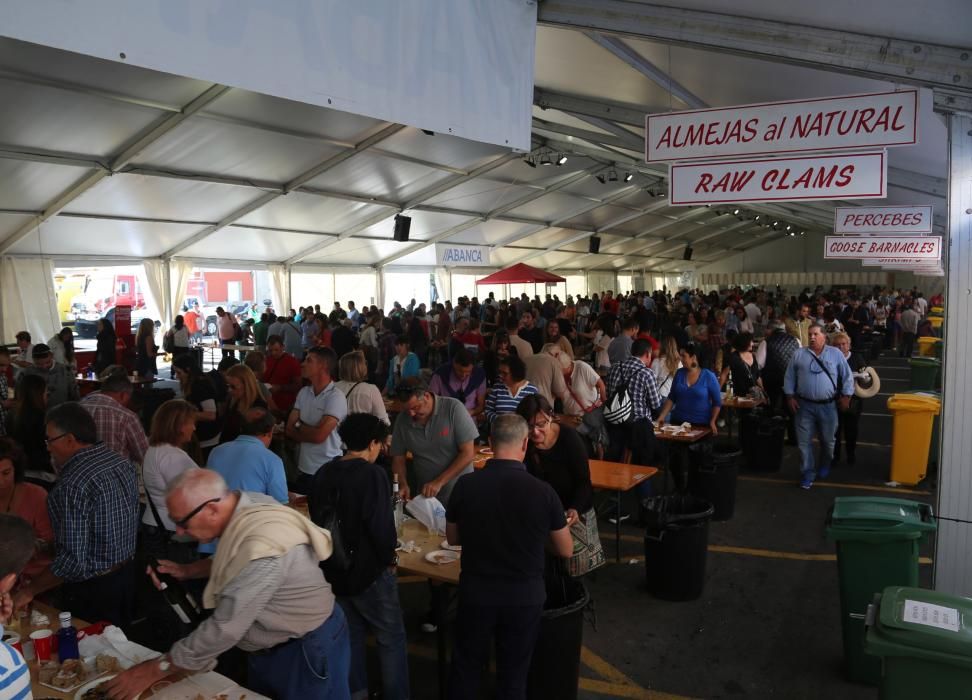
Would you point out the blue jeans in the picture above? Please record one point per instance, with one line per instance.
(377, 608)
(819, 419)
(312, 666)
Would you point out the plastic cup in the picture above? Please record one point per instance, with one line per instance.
(43, 641)
(13, 640)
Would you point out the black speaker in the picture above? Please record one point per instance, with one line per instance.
(593, 244)
(687, 255)
(402, 225)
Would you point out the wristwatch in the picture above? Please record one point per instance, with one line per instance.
(164, 664)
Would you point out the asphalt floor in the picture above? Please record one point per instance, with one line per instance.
(768, 622)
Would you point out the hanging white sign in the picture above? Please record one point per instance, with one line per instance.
(826, 124)
(927, 248)
(454, 255)
(844, 176)
(903, 262)
(916, 219)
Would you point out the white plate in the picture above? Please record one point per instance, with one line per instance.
(485, 451)
(451, 547)
(442, 556)
(96, 682)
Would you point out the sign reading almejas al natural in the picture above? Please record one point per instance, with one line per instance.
(875, 120)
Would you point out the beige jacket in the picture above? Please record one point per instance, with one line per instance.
(257, 532)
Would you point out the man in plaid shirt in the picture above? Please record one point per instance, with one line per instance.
(118, 427)
(94, 512)
(638, 434)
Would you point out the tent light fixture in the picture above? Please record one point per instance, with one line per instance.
(612, 176)
(628, 177)
(600, 178)
(545, 159)
(561, 159)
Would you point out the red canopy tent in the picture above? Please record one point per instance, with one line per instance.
(522, 274)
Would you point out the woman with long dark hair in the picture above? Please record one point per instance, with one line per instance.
(62, 347)
(105, 353)
(28, 421)
(198, 390)
(146, 349)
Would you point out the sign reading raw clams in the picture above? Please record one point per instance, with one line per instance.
(883, 219)
(834, 123)
(927, 248)
(844, 176)
(447, 255)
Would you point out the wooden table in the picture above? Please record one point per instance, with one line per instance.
(134, 379)
(687, 437)
(620, 478)
(736, 403)
(42, 691)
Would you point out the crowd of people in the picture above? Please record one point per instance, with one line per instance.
(205, 482)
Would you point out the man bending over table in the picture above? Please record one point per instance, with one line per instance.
(269, 595)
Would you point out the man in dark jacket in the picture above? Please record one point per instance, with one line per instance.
(773, 355)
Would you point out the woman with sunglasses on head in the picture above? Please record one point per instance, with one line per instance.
(557, 455)
(173, 426)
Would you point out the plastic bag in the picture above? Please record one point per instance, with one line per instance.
(428, 511)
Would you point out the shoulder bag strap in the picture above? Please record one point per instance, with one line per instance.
(824, 368)
(353, 387)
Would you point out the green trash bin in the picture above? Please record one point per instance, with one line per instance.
(925, 373)
(877, 546)
(924, 642)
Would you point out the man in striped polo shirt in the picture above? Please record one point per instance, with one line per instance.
(16, 548)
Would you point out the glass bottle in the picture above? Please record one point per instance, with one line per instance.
(67, 638)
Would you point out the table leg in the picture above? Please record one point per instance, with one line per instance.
(617, 530)
(729, 417)
(440, 605)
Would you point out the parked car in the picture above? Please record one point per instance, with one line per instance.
(86, 326)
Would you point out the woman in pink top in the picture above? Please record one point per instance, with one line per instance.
(27, 501)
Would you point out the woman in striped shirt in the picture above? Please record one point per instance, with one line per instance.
(511, 388)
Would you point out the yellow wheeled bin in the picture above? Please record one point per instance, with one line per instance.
(937, 310)
(936, 322)
(926, 345)
(914, 415)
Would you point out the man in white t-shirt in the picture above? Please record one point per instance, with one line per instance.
(316, 415)
(753, 312)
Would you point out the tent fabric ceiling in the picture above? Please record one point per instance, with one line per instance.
(221, 183)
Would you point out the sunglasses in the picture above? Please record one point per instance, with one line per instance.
(194, 512)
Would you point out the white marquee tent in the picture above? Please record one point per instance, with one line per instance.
(104, 162)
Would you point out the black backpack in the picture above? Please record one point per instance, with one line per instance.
(325, 512)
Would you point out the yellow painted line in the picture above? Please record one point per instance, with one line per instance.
(617, 683)
(618, 690)
(838, 485)
(752, 552)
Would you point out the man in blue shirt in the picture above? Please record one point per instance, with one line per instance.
(246, 463)
(18, 547)
(503, 517)
(818, 383)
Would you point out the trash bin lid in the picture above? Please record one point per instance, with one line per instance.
(915, 402)
(925, 362)
(929, 339)
(923, 623)
(866, 518)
